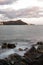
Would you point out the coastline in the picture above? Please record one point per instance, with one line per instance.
(32, 56)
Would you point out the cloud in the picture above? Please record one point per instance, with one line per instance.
(40, 0)
(33, 20)
(2, 17)
(34, 12)
(20, 4)
(26, 13)
(3, 2)
(23, 13)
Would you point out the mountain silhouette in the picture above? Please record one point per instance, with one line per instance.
(18, 22)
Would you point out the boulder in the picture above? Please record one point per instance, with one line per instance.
(31, 53)
(4, 45)
(20, 49)
(40, 48)
(39, 43)
(14, 58)
(18, 60)
(34, 56)
(4, 62)
(25, 49)
(38, 60)
(11, 46)
(8, 45)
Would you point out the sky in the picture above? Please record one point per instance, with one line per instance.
(30, 11)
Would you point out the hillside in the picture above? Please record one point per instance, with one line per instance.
(18, 22)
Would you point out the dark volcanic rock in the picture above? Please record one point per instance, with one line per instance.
(31, 57)
(32, 50)
(18, 22)
(39, 43)
(40, 48)
(16, 59)
(8, 45)
(4, 45)
(25, 49)
(11, 46)
(35, 57)
(31, 54)
(20, 49)
(4, 62)
(38, 60)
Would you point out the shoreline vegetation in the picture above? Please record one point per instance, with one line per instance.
(17, 22)
(33, 56)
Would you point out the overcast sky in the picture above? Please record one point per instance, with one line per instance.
(30, 11)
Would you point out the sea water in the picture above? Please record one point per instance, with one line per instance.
(23, 35)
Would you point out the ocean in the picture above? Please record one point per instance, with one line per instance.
(23, 35)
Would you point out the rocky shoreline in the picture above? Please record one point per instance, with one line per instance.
(33, 56)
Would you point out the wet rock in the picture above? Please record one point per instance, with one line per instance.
(31, 53)
(8, 45)
(11, 46)
(18, 60)
(25, 49)
(31, 50)
(38, 60)
(20, 49)
(14, 58)
(34, 56)
(39, 43)
(4, 62)
(40, 48)
(4, 45)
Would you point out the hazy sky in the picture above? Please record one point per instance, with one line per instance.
(30, 11)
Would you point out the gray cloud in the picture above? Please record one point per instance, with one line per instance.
(3, 2)
(23, 13)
